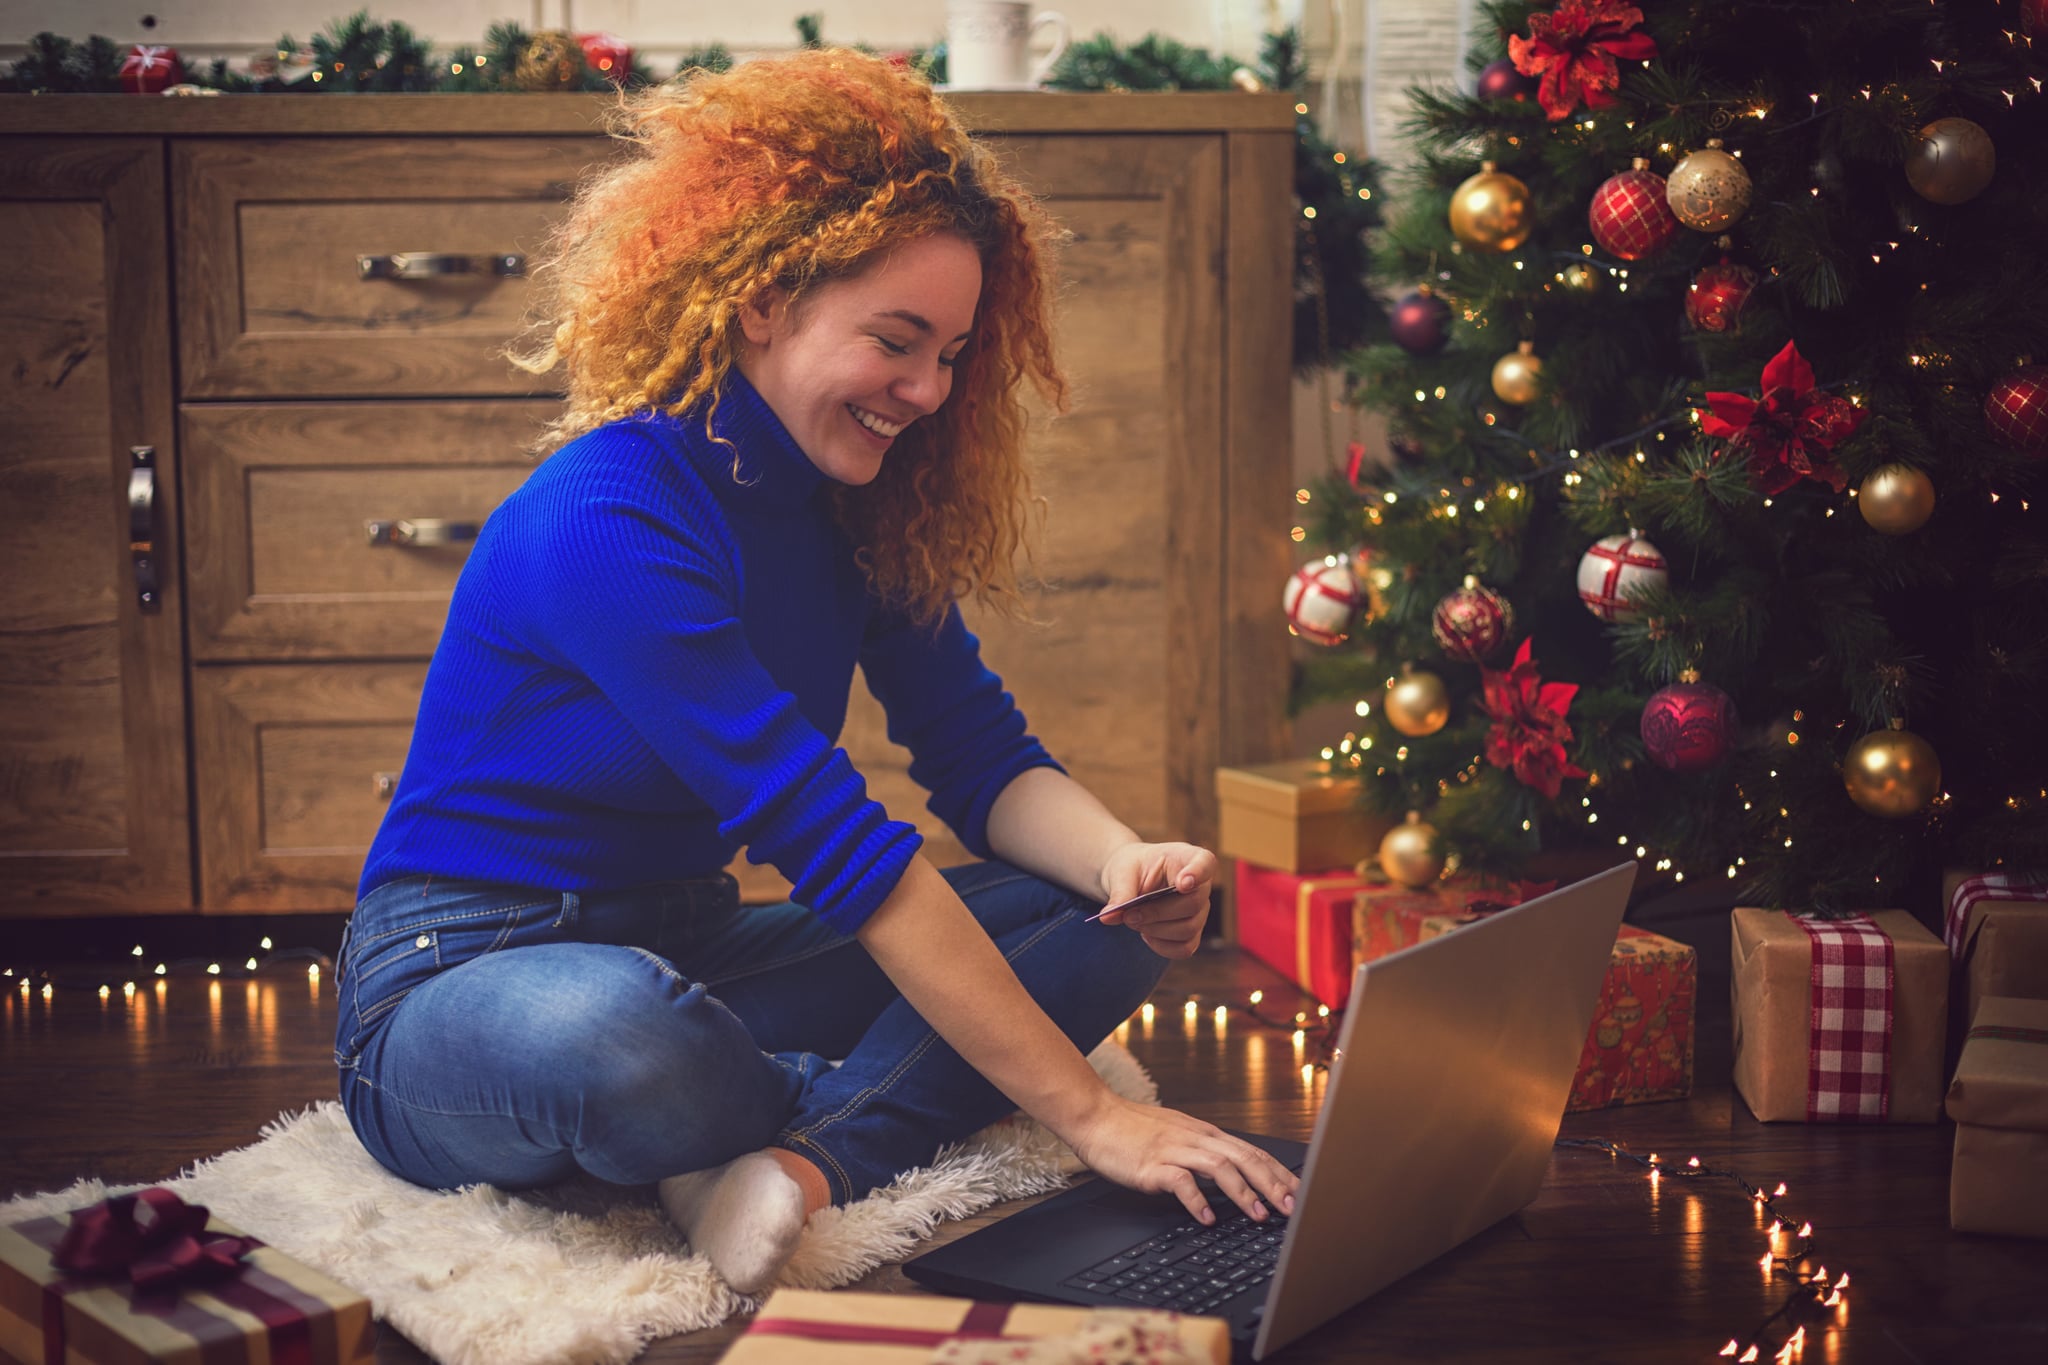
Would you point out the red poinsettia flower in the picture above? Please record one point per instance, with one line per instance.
(1791, 432)
(1529, 730)
(1573, 49)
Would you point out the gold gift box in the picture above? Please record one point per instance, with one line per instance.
(1296, 816)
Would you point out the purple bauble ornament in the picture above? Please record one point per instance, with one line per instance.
(1688, 725)
(1500, 81)
(1420, 322)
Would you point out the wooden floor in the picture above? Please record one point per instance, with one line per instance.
(1604, 1266)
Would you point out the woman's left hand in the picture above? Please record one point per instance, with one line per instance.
(1171, 925)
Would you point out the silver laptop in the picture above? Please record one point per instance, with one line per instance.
(1452, 1069)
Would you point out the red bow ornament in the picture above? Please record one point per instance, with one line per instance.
(1574, 48)
(158, 1239)
(1529, 730)
(1791, 432)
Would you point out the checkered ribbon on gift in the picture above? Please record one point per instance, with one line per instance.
(1991, 886)
(1848, 1063)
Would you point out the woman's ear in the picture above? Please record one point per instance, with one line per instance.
(762, 316)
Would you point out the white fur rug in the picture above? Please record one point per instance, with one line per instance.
(583, 1273)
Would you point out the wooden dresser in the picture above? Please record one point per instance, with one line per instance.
(244, 445)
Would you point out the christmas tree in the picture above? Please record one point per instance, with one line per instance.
(1707, 530)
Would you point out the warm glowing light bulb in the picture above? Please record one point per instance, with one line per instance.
(265, 944)
(1747, 1356)
(1322, 1011)
(1843, 1283)
(1806, 1229)
(1832, 1299)
(136, 951)
(1145, 1011)
(1257, 996)
(1189, 1009)
(1779, 1192)
(313, 972)
(128, 990)
(250, 965)
(213, 969)
(159, 969)
(106, 991)
(1693, 1162)
(1300, 1037)
(1308, 1074)
(1731, 1348)
(1221, 1014)
(48, 990)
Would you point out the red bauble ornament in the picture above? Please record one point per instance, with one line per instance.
(2016, 410)
(1631, 214)
(1472, 622)
(1420, 322)
(1500, 81)
(1322, 599)
(1688, 725)
(150, 70)
(1718, 295)
(608, 55)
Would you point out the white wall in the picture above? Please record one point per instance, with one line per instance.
(658, 27)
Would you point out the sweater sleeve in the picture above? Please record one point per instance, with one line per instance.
(636, 590)
(966, 737)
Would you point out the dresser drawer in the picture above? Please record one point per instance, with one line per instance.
(274, 295)
(280, 498)
(295, 765)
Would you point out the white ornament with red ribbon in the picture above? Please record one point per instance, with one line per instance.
(1322, 600)
(1616, 570)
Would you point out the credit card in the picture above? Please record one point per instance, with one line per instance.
(1157, 893)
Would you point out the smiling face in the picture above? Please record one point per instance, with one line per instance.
(863, 357)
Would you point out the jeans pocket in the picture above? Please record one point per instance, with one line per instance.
(394, 953)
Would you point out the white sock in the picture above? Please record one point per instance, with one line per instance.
(746, 1216)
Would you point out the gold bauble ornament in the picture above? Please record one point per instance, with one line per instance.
(1515, 375)
(1952, 162)
(1417, 702)
(552, 61)
(1896, 499)
(1709, 190)
(1491, 210)
(1893, 773)
(1580, 278)
(1409, 855)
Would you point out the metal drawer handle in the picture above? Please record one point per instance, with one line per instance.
(386, 783)
(142, 526)
(420, 531)
(428, 265)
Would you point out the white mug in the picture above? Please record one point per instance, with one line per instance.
(988, 44)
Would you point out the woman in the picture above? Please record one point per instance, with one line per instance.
(795, 324)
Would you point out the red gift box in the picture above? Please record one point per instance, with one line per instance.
(1640, 1047)
(1300, 924)
(150, 70)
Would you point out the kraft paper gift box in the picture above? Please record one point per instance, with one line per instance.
(800, 1326)
(1296, 816)
(1640, 1047)
(272, 1311)
(1300, 926)
(1996, 925)
(1776, 1063)
(1999, 1100)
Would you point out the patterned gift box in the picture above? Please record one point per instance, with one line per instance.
(799, 1326)
(1999, 1100)
(272, 1311)
(1996, 925)
(1640, 1048)
(1300, 925)
(1838, 1021)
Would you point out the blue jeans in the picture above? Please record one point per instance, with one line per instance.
(514, 1037)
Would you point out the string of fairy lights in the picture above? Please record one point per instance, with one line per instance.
(1812, 1297)
(143, 968)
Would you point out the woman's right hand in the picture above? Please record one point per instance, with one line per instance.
(1162, 1151)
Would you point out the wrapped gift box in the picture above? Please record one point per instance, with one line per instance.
(1296, 816)
(799, 1326)
(1300, 925)
(273, 1310)
(1780, 1072)
(1387, 917)
(1997, 929)
(1640, 1048)
(1999, 1100)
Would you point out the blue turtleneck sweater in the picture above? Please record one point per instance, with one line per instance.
(646, 667)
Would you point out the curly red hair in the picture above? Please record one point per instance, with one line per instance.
(796, 172)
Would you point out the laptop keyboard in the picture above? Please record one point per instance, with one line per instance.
(1190, 1269)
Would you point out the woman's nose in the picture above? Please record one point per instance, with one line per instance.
(925, 389)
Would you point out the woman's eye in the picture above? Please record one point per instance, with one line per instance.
(892, 348)
(949, 361)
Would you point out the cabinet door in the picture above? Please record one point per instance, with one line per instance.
(93, 809)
